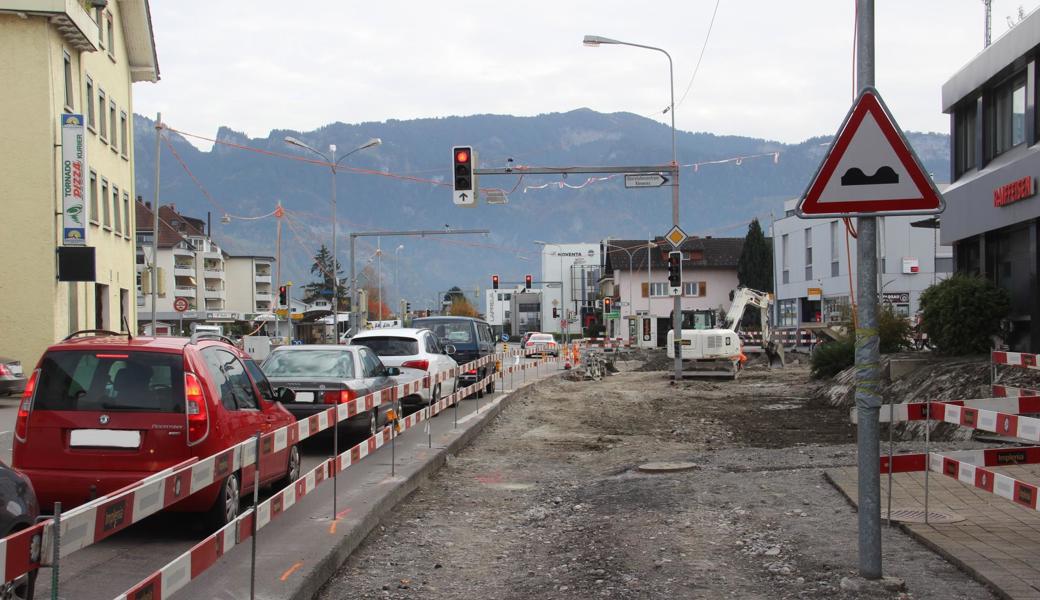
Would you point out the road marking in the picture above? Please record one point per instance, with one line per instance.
(339, 515)
(290, 571)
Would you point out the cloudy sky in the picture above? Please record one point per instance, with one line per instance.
(774, 69)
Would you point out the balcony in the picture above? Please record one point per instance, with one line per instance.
(184, 291)
(214, 255)
(213, 273)
(263, 278)
(70, 17)
(214, 293)
(214, 304)
(262, 307)
(183, 271)
(264, 296)
(178, 251)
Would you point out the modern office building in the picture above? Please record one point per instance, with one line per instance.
(814, 277)
(570, 273)
(992, 217)
(67, 166)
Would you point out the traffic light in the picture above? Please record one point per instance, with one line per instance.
(494, 282)
(556, 313)
(283, 296)
(527, 281)
(675, 269)
(464, 183)
(407, 308)
(606, 304)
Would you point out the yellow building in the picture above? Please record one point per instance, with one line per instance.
(61, 58)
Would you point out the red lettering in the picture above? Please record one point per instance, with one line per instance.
(1019, 189)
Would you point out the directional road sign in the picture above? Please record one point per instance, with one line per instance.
(465, 198)
(870, 169)
(644, 180)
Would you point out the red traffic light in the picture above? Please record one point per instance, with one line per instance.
(462, 155)
(494, 281)
(527, 281)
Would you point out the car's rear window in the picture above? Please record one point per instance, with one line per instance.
(542, 338)
(452, 332)
(310, 363)
(390, 346)
(111, 380)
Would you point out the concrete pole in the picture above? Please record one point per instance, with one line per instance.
(354, 312)
(335, 257)
(868, 397)
(677, 302)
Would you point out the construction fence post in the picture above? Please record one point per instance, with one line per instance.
(256, 500)
(56, 552)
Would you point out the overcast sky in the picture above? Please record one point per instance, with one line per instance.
(773, 69)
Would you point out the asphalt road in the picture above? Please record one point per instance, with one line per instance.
(109, 568)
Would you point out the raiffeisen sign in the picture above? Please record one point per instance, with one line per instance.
(1020, 189)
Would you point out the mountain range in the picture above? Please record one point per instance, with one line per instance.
(404, 184)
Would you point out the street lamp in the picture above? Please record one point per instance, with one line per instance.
(595, 41)
(566, 331)
(333, 162)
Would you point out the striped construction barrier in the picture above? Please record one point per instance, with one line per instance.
(1009, 391)
(176, 574)
(917, 411)
(98, 519)
(1014, 359)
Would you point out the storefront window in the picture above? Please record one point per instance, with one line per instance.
(837, 309)
(1006, 117)
(789, 313)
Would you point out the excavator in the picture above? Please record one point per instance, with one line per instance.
(717, 352)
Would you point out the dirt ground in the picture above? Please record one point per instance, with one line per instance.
(548, 502)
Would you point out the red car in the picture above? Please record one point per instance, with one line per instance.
(104, 411)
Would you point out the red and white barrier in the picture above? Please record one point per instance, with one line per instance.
(1015, 359)
(1010, 391)
(98, 519)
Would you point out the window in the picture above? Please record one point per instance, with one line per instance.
(1006, 117)
(117, 220)
(262, 384)
(124, 149)
(305, 363)
(431, 344)
(789, 313)
(126, 215)
(808, 253)
(99, 18)
(372, 365)
(89, 104)
(390, 345)
(106, 208)
(112, 123)
(658, 289)
(529, 307)
(111, 29)
(964, 138)
(124, 308)
(68, 82)
(80, 380)
(93, 197)
(784, 261)
(835, 270)
(695, 289)
(229, 376)
(102, 121)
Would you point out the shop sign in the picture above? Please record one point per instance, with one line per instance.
(1019, 189)
(911, 265)
(896, 297)
(73, 159)
(814, 293)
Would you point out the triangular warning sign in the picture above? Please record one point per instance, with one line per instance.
(870, 169)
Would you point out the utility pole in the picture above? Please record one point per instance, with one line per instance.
(868, 355)
(155, 222)
(987, 34)
(278, 270)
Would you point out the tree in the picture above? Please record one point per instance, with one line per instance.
(460, 307)
(376, 311)
(755, 267)
(961, 313)
(322, 267)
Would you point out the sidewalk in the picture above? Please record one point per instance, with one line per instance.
(998, 542)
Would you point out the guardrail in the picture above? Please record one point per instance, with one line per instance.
(45, 543)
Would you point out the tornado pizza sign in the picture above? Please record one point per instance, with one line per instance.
(73, 163)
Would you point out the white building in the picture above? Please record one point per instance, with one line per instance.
(193, 269)
(497, 306)
(570, 273)
(636, 278)
(812, 269)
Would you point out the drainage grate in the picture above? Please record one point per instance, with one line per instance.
(915, 515)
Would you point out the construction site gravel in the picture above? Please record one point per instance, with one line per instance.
(549, 502)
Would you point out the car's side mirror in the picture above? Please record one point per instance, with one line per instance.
(449, 349)
(284, 394)
(392, 371)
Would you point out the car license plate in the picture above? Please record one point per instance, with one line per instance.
(305, 396)
(105, 438)
(17, 370)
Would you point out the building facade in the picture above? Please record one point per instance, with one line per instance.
(635, 276)
(814, 276)
(67, 164)
(569, 286)
(498, 308)
(992, 216)
(194, 271)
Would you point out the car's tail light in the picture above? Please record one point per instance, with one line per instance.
(422, 365)
(4, 371)
(471, 372)
(195, 406)
(21, 426)
(339, 396)
(529, 344)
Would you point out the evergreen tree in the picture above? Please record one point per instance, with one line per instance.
(322, 268)
(755, 267)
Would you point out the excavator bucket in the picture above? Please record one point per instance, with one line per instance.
(775, 353)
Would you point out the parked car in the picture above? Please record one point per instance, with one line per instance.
(320, 375)
(542, 342)
(471, 338)
(409, 348)
(104, 411)
(12, 379)
(18, 510)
